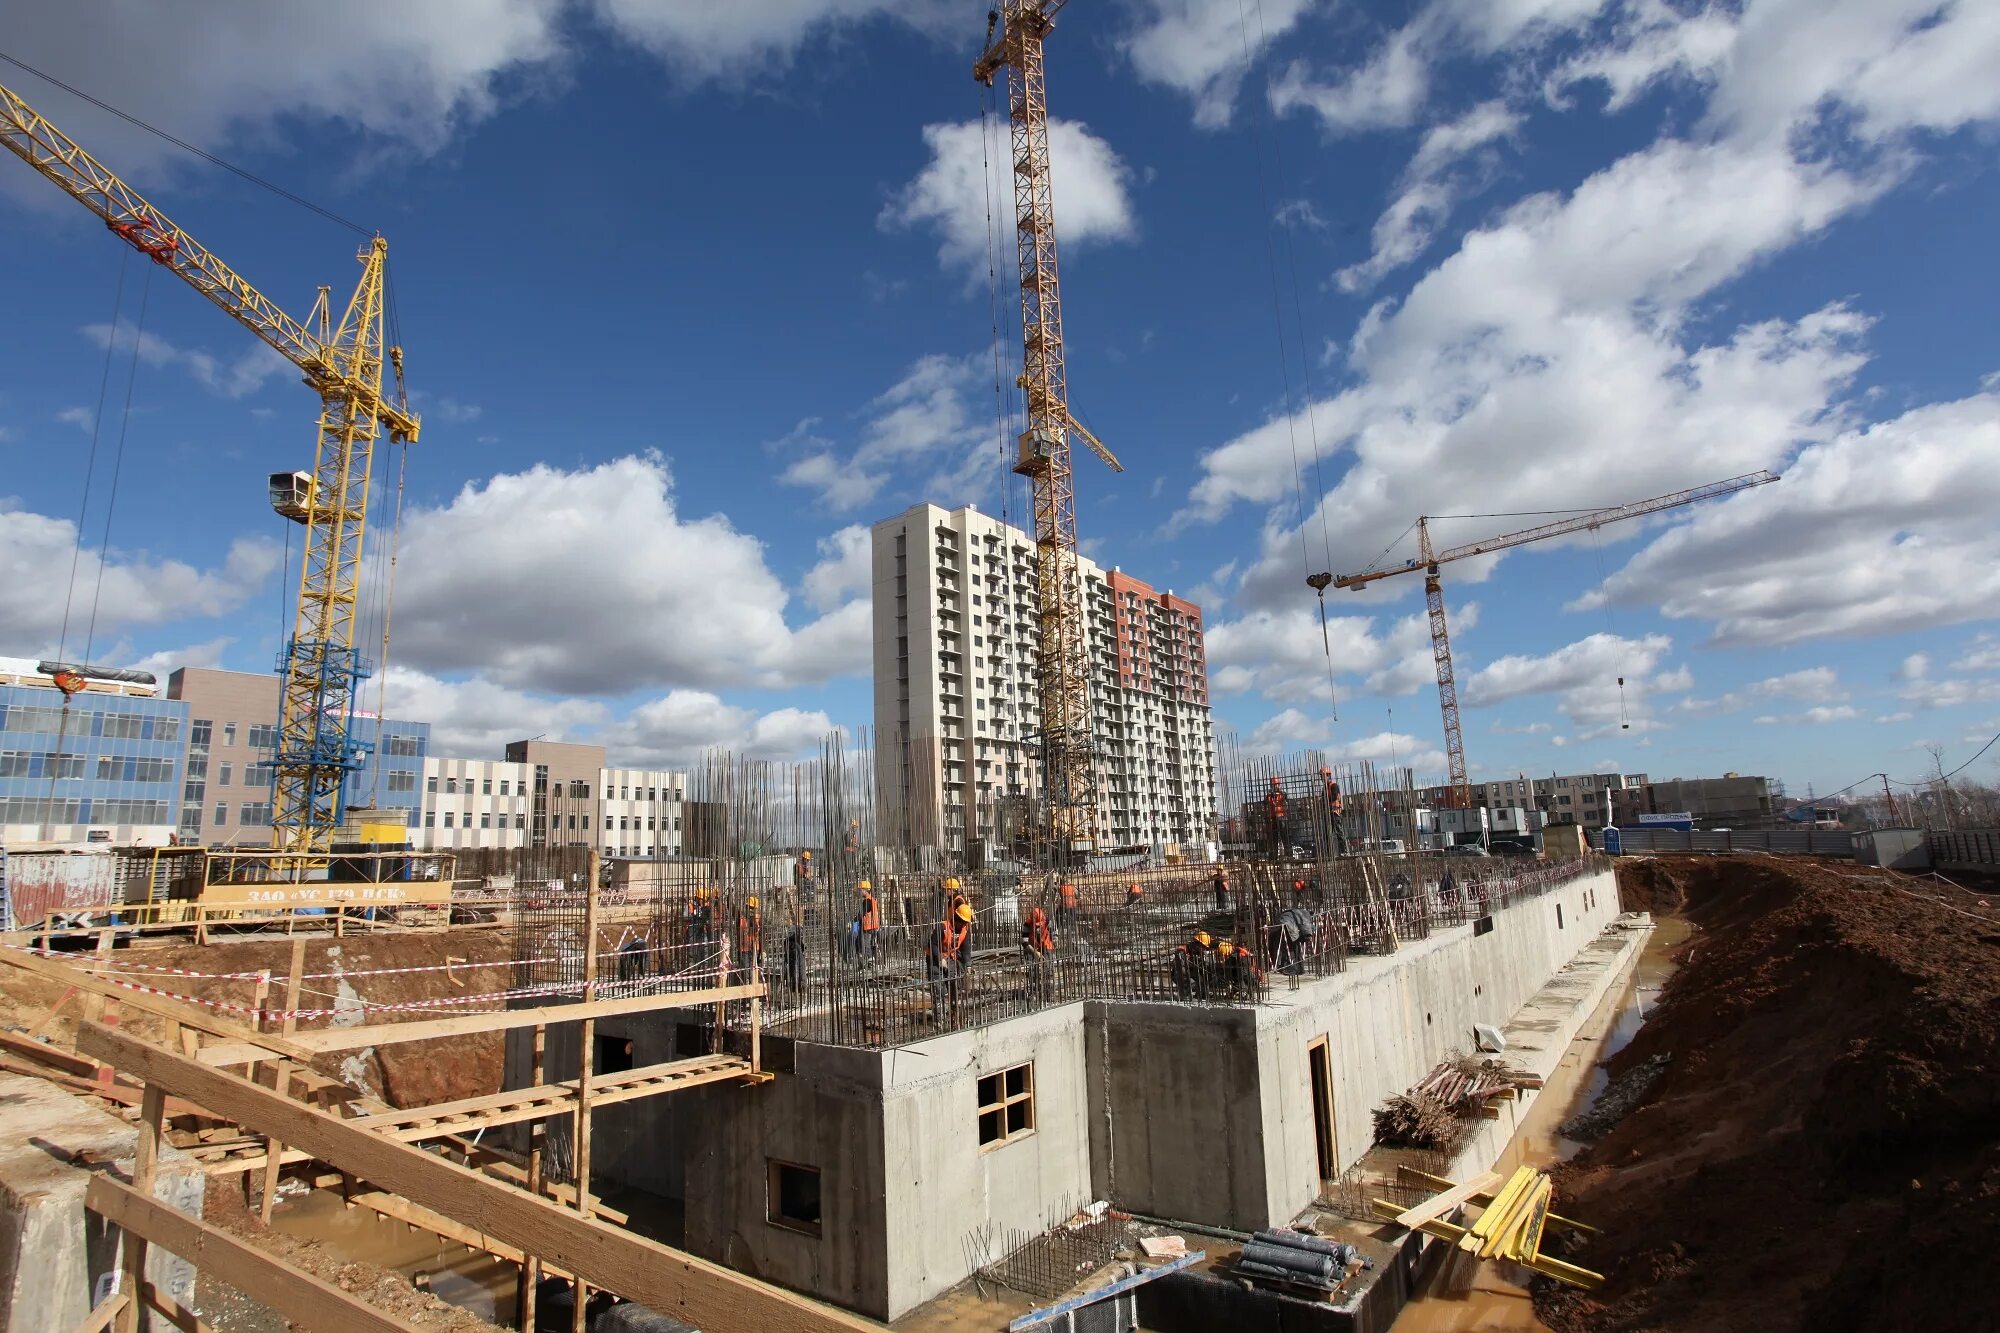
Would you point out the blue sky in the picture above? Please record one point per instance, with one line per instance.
(691, 294)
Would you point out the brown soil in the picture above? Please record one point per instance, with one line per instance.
(1820, 1152)
(383, 1288)
(411, 1074)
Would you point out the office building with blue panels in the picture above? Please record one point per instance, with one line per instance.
(109, 767)
(232, 733)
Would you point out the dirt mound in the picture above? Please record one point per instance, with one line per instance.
(1646, 884)
(1819, 1153)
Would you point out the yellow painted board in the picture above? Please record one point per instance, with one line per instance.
(1541, 1263)
(1410, 1175)
(1497, 1211)
(1507, 1238)
(1528, 1242)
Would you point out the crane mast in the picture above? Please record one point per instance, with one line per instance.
(319, 666)
(1016, 32)
(1429, 559)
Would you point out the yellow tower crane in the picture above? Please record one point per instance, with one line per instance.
(1015, 32)
(1429, 559)
(319, 666)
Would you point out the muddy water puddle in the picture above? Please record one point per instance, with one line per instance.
(470, 1279)
(1468, 1295)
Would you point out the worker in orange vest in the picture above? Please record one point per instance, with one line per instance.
(1274, 819)
(1192, 964)
(1066, 908)
(1038, 948)
(951, 949)
(1134, 895)
(749, 934)
(1332, 807)
(868, 922)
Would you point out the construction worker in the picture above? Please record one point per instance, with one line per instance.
(1220, 883)
(867, 922)
(1274, 821)
(700, 920)
(1331, 809)
(631, 955)
(1191, 966)
(1237, 970)
(1134, 895)
(951, 948)
(802, 874)
(749, 934)
(1066, 909)
(1038, 947)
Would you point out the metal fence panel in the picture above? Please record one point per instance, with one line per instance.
(43, 882)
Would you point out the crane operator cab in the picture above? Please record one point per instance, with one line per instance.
(1037, 452)
(291, 494)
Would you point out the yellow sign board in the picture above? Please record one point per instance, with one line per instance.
(321, 893)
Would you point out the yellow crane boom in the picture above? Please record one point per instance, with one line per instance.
(1015, 33)
(344, 363)
(1429, 560)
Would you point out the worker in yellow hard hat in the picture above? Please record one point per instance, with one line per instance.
(867, 928)
(699, 920)
(949, 955)
(749, 938)
(1192, 967)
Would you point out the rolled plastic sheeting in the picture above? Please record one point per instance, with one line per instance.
(1281, 1274)
(1290, 1260)
(1299, 1240)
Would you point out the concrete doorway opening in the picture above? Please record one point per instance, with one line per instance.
(1320, 1066)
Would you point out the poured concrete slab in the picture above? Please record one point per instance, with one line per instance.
(53, 1253)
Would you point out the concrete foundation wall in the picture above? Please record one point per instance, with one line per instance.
(53, 1252)
(1182, 1139)
(828, 1113)
(953, 1204)
(1388, 1021)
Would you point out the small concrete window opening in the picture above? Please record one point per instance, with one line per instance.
(792, 1197)
(614, 1055)
(1006, 1105)
(1559, 916)
(1320, 1067)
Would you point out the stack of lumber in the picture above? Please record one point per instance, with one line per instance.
(1510, 1224)
(1418, 1120)
(1467, 1087)
(1295, 1259)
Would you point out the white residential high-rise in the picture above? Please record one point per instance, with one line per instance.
(955, 710)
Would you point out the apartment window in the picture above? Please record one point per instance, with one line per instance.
(486, 787)
(448, 819)
(430, 819)
(408, 747)
(791, 1197)
(1006, 1105)
(222, 775)
(520, 821)
(431, 784)
(221, 815)
(402, 780)
(503, 788)
(229, 733)
(485, 819)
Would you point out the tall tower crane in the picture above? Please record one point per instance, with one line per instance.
(1428, 560)
(1014, 35)
(319, 667)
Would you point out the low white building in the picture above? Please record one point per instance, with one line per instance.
(627, 812)
(639, 813)
(473, 803)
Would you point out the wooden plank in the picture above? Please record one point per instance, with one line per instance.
(100, 1318)
(1411, 1176)
(1541, 1263)
(291, 1292)
(1497, 1211)
(669, 1281)
(1506, 1236)
(273, 1150)
(145, 1169)
(506, 1108)
(304, 1045)
(1440, 1204)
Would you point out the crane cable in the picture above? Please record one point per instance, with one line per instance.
(1285, 372)
(185, 146)
(118, 460)
(96, 429)
(986, 125)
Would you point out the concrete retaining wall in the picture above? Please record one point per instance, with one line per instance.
(53, 1253)
(1198, 1113)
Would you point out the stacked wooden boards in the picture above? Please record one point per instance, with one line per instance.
(1510, 1225)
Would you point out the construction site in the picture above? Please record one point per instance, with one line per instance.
(879, 1043)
